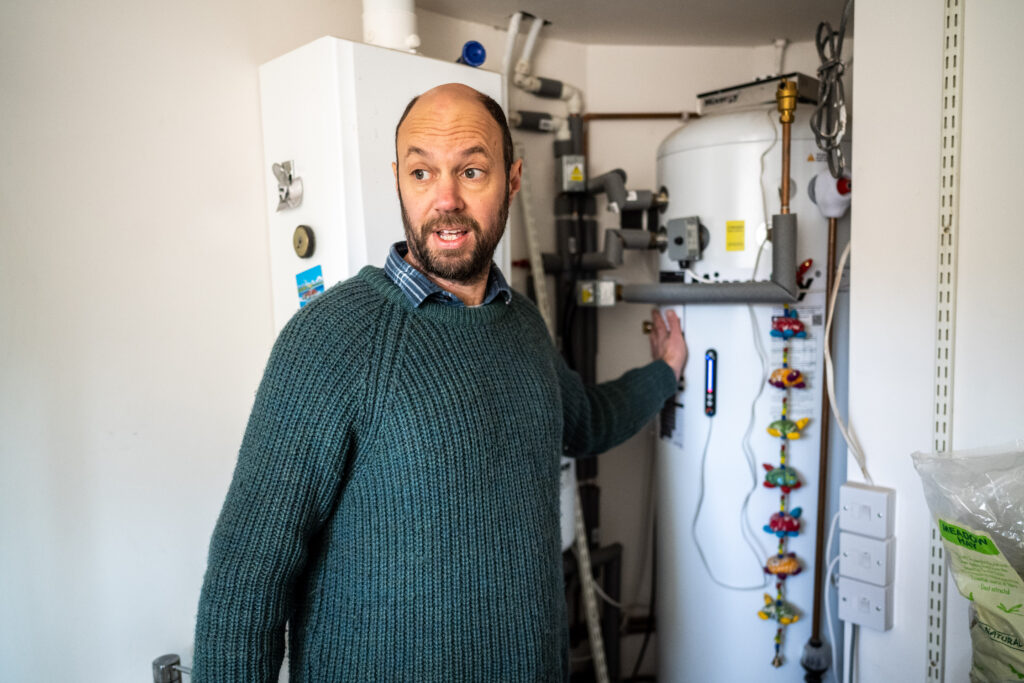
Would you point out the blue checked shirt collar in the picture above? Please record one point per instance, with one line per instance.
(418, 288)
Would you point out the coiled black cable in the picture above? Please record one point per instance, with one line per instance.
(828, 122)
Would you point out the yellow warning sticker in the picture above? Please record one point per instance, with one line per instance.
(577, 174)
(735, 236)
(810, 157)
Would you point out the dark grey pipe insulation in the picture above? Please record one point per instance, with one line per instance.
(613, 184)
(549, 88)
(615, 241)
(532, 120)
(781, 289)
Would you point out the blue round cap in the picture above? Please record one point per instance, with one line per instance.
(473, 53)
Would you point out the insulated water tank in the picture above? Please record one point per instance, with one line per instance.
(726, 170)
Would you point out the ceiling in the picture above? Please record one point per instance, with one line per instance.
(658, 22)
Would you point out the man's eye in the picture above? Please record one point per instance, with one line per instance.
(420, 174)
(473, 173)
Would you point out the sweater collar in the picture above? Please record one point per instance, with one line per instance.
(432, 310)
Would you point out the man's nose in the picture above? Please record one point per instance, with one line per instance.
(448, 197)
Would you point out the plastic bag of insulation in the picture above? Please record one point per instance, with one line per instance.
(977, 500)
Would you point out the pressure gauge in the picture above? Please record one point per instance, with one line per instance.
(303, 242)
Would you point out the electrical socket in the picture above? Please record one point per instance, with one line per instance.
(866, 510)
(865, 604)
(866, 559)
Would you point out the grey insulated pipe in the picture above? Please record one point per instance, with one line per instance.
(615, 241)
(781, 289)
(548, 88)
(613, 184)
(532, 120)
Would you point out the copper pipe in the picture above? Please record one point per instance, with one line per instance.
(785, 98)
(785, 168)
(826, 421)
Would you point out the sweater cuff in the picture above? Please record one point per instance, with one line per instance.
(662, 379)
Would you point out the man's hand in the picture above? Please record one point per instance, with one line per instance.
(667, 342)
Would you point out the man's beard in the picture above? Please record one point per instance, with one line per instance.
(453, 267)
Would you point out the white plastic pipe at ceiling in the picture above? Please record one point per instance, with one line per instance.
(390, 23)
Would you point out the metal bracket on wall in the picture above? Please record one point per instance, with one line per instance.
(289, 187)
(945, 321)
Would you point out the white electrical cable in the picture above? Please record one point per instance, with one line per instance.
(751, 536)
(829, 585)
(604, 596)
(696, 517)
(775, 139)
(780, 53)
(850, 646)
(753, 539)
(828, 614)
(851, 441)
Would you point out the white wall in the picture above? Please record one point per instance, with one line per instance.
(135, 310)
(894, 270)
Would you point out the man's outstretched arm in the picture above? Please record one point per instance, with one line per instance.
(604, 415)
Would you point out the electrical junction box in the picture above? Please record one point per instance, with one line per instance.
(865, 604)
(595, 293)
(572, 173)
(867, 510)
(866, 559)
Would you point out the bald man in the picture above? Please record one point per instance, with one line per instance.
(395, 501)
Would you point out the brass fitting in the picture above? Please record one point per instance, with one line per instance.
(785, 97)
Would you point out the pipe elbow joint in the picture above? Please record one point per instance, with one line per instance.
(526, 82)
(613, 184)
(573, 97)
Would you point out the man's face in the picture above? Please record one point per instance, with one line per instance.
(451, 182)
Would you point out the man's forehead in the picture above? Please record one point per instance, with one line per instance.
(452, 116)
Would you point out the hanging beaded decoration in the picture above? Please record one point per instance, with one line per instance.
(786, 522)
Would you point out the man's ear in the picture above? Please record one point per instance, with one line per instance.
(515, 179)
(394, 170)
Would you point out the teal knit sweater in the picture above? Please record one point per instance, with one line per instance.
(395, 499)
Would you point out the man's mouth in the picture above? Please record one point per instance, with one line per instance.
(450, 238)
(450, 235)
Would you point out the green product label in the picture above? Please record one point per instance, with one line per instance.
(967, 539)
